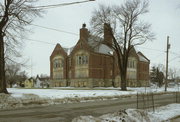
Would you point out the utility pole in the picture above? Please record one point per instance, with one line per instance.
(167, 52)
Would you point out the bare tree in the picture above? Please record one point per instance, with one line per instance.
(172, 73)
(125, 29)
(161, 67)
(12, 74)
(22, 76)
(15, 15)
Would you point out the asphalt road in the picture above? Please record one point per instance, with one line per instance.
(177, 119)
(66, 112)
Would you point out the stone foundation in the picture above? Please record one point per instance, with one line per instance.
(58, 83)
(132, 83)
(90, 82)
(143, 83)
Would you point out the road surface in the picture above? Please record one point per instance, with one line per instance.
(66, 112)
(177, 119)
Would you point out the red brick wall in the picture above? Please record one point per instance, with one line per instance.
(100, 66)
(143, 71)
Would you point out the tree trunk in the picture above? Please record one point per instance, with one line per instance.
(2, 67)
(11, 85)
(122, 69)
(123, 81)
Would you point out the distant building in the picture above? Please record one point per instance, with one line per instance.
(93, 64)
(29, 83)
(42, 82)
(37, 82)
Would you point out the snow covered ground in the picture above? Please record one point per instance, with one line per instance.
(161, 114)
(19, 97)
(57, 93)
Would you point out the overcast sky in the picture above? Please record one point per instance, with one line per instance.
(164, 15)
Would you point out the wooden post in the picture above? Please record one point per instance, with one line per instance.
(153, 101)
(167, 52)
(137, 101)
(143, 102)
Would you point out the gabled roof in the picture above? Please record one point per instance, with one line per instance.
(142, 57)
(57, 49)
(95, 43)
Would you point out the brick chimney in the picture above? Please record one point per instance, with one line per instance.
(107, 35)
(84, 32)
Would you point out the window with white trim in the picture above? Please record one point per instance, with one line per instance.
(81, 59)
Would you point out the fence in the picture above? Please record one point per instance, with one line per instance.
(152, 100)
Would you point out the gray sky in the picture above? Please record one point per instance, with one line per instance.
(164, 15)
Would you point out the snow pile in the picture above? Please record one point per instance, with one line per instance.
(167, 112)
(134, 115)
(27, 100)
(129, 115)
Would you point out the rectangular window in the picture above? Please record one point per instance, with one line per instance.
(58, 63)
(132, 64)
(61, 62)
(81, 59)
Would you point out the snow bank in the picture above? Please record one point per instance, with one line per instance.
(27, 100)
(61, 93)
(58, 93)
(129, 115)
(166, 112)
(31, 97)
(135, 115)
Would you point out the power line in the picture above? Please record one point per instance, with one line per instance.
(158, 50)
(34, 40)
(60, 5)
(40, 41)
(174, 58)
(54, 29)
(174, 53)
(152, 49)
(158, 55)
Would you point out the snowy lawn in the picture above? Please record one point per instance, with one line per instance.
(161, 114)
(59, 93)
(19, 97)
(71, 92)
